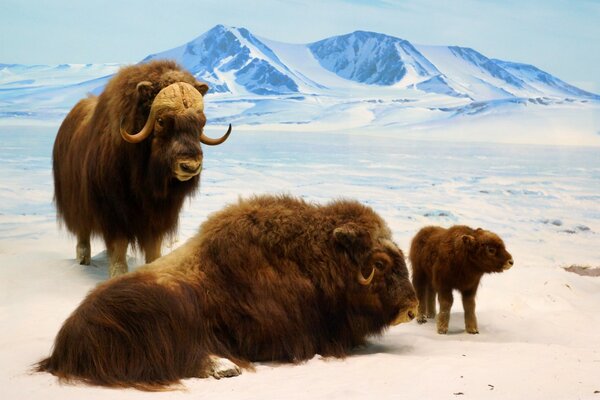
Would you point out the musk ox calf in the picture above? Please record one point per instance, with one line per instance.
(129, 188)
(266, 279)
(454, 258)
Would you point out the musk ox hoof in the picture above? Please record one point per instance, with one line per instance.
(223, 368)
(421, 319)
(472, 331)
(116, 269)
(83, 255)
(442, 331)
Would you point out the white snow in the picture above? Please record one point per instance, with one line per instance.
(539, 324)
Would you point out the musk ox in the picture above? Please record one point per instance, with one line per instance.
(129, 188)
(453, 258)
(266, 279)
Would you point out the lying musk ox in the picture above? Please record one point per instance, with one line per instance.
(267, 279)
(129, 188)
(454, 258)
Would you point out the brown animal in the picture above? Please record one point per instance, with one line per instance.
(129, 188)
(266, 279)
(454, 258)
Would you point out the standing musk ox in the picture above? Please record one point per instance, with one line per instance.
(454, 258)
(129, 188)
(267, 279)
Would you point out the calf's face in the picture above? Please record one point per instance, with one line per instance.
(488, 251)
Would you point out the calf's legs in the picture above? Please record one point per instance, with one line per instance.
(430, 301)
(419, 282)
(445, 298)
(468, 300)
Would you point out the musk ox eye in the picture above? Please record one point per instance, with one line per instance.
(159, 121)
(491, 250)
(379, 264)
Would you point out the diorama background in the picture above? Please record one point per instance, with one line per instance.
(524, 165)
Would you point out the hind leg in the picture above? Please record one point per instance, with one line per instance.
(431, 301)
(117, 257)
(419, 281)
(152, 249)
(83, 250)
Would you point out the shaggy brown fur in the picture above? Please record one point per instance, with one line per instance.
(126, 193)
(454, 258)
(267, 279)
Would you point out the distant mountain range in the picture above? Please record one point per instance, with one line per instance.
(233, 60)
(362, 79)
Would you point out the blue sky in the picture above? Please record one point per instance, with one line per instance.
(559, 36)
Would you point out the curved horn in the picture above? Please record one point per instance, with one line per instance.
(365, 281)
(141, 135)
(213, 142)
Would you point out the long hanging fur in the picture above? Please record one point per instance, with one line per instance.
(105, 186)
(267, 279)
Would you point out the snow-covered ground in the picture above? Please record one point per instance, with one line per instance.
(539, 324)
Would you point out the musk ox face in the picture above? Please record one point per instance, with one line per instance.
(488, 250)
(177, 121)
(387, 287)
(176, 143)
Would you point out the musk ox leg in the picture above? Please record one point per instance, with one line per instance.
(468, 300)
(117, 257)
(445, 298)
(221, 368)
(431, 301)
(152, 250)
(83, 250)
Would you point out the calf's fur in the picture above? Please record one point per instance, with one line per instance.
(450, 259)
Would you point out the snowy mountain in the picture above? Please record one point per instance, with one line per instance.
(372, 58)
(29, 76)
(233, 60)
(354, 81)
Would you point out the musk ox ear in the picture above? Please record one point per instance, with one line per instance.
(201, 87)
(468, 240)
(351, 236)
(144, 90)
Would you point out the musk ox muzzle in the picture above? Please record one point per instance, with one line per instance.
(175, 98)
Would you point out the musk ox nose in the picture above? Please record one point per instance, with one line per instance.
(186, 169)
(406, 315)
(508, 264)
(191, 167)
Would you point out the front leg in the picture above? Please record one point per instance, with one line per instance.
(83, 249)
(152, 249)
(220, 368)
(443, 318)
(117, 257)
(468, 300)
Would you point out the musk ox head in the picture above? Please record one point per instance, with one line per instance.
(381, 273)
(487, 251)
(177, 120)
